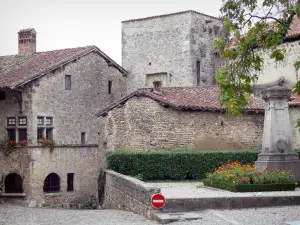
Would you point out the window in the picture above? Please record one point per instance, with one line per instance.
(49, 121)
(11, 121)
(52, 183)
(22, 134)
(22, 121)
(40, 133)
(70, 182)
(49, 133)
(198, 73)
(40, 121)
(13, 183)
(157, 85)
(68, 82)
(83, 138)
(45, 127)
(109, 86)
(17, 131)
(2, 95)
(11, 134)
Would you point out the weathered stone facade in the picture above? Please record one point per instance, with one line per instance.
(33, 164)
(166, 48)
(142, 124)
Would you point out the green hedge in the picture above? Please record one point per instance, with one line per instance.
(249, 187)
(174, 165)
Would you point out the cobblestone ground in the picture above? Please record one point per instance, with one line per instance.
(15, 215)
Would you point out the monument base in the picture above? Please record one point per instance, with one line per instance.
(292, 165)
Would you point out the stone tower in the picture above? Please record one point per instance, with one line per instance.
(176, 49)
(27, 41)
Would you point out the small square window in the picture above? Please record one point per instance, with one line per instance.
(40, 121)
(2, 95)
(11, 121)
(49, 121)
(22, 121)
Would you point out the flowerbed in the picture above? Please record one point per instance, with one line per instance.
(236, 177)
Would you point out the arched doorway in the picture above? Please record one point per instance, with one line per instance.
(13, 183)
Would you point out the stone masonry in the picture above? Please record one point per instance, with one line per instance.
(142, 124)
(176, 49)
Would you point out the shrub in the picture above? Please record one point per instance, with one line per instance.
(236, 173)
(173, 165)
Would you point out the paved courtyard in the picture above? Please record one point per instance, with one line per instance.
(16, 215)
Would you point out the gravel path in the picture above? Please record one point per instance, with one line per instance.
(17, 215)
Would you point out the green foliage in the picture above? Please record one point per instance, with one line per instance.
(250, 25)
(171, 165)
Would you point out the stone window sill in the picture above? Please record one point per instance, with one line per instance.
(13, 194)
(53, 194)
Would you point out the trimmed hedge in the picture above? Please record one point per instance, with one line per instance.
(249, 187)
(174, 165)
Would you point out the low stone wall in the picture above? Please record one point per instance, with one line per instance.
(127, 193)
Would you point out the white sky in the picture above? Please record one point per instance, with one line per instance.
(72, 23)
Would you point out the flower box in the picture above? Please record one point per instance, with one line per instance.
(249, 187)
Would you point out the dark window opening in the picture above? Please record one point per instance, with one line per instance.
(40, 133)
(49, 121)
(70, 182)
(52, 183)
(157, 85)
(13, 183)
(49, 133)
(83, 138)
(68, 82)
(22, 134)
(2, 95)
(11, 134)
(109, 86)
(40, 121)
(198, 73)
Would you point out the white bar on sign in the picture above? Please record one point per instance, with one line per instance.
(158, 201)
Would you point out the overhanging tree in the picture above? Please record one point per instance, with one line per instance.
(251, 25)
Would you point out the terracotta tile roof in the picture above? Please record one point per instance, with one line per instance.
(203, 98)
(16, 70)
(170, 14)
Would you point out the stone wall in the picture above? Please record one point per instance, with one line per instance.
(272, 71)
(127, 193)
(142, 124)
(35, 163)
(169, 45)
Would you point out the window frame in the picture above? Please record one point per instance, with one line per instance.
(16, 127)
(68, 82)
(50, 179)
(70, 182)
(45, 127)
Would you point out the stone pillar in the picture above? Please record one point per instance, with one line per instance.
(277, 148)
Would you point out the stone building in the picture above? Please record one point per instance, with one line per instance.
(54, 94)
(176, 49)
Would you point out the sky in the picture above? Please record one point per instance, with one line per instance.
(66, 24)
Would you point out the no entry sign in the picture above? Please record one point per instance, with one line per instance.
(158, 201)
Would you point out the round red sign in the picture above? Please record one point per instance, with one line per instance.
(158, 201)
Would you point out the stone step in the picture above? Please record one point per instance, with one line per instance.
(165, 218)
(198, 204)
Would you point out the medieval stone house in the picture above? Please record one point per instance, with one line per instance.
(54, 94)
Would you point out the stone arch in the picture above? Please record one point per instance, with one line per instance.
(13, 183)
(52, 183)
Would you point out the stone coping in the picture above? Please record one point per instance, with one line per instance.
(13, 195)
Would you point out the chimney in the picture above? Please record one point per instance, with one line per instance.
(27, 41)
